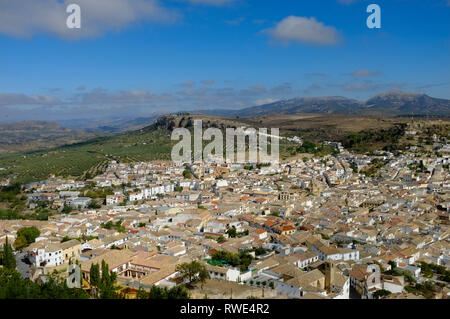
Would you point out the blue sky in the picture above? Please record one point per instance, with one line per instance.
(136, 57)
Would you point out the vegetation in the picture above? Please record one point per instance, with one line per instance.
(242, 260)
(381, 293)
(394, 271)
(176, 292)
(187, 174)
(260, 251)
(7, 257)
(193, 272)
(74, 160)
(117, 226)
(95, 193)
(102, 286)
(221, 239)
(369, 140)
(427, 289)
(26, 236)
(9, 194)
(429, 270)
(417, 167)
(13, 286)
(233, 233)
(311, 148)
(374, 167)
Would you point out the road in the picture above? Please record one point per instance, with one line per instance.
(22, 266)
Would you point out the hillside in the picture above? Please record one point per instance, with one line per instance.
(30, 135)
(153, 142)
(400, 103)
(389, 104)
(75, 159)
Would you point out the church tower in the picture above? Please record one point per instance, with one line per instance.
(329, 274)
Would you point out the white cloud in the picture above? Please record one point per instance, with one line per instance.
(304, 30)
(24, 99)
(24, 18)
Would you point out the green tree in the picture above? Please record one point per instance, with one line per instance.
(221, 239)
(8, 259)
(158, 293)
(232, 232)
(94, 275)
(380, 293)
(13, 286)
(142, 294)
(108, 280)
(20, 242)
(26, 236)
(187, 174)
(178, 292)
(193, 271)
(66, 209)
(94, 205)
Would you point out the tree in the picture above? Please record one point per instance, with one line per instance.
(221, 239)
(393, 264)
(380, 293)
(108, 280)
(232, 232)
(158, 293)
(178, 292)
(142, 294)
(94, 205)
(66, 209)
(260, 251)
(26, 236)
(193, 271)
(8, 260)
(187, 174)
(94, 275)
(13, 286)
(20, 242)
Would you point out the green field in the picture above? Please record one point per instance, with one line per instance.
(74, 160)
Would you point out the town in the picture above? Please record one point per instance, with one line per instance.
(306, 228)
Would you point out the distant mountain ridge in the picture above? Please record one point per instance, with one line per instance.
(30, 135)
(392, 103)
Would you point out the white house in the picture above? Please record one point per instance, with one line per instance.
(229, 274)
(40, 254)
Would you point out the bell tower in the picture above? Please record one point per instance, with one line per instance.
(329, 274)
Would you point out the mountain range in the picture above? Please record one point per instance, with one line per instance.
(392, 103)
